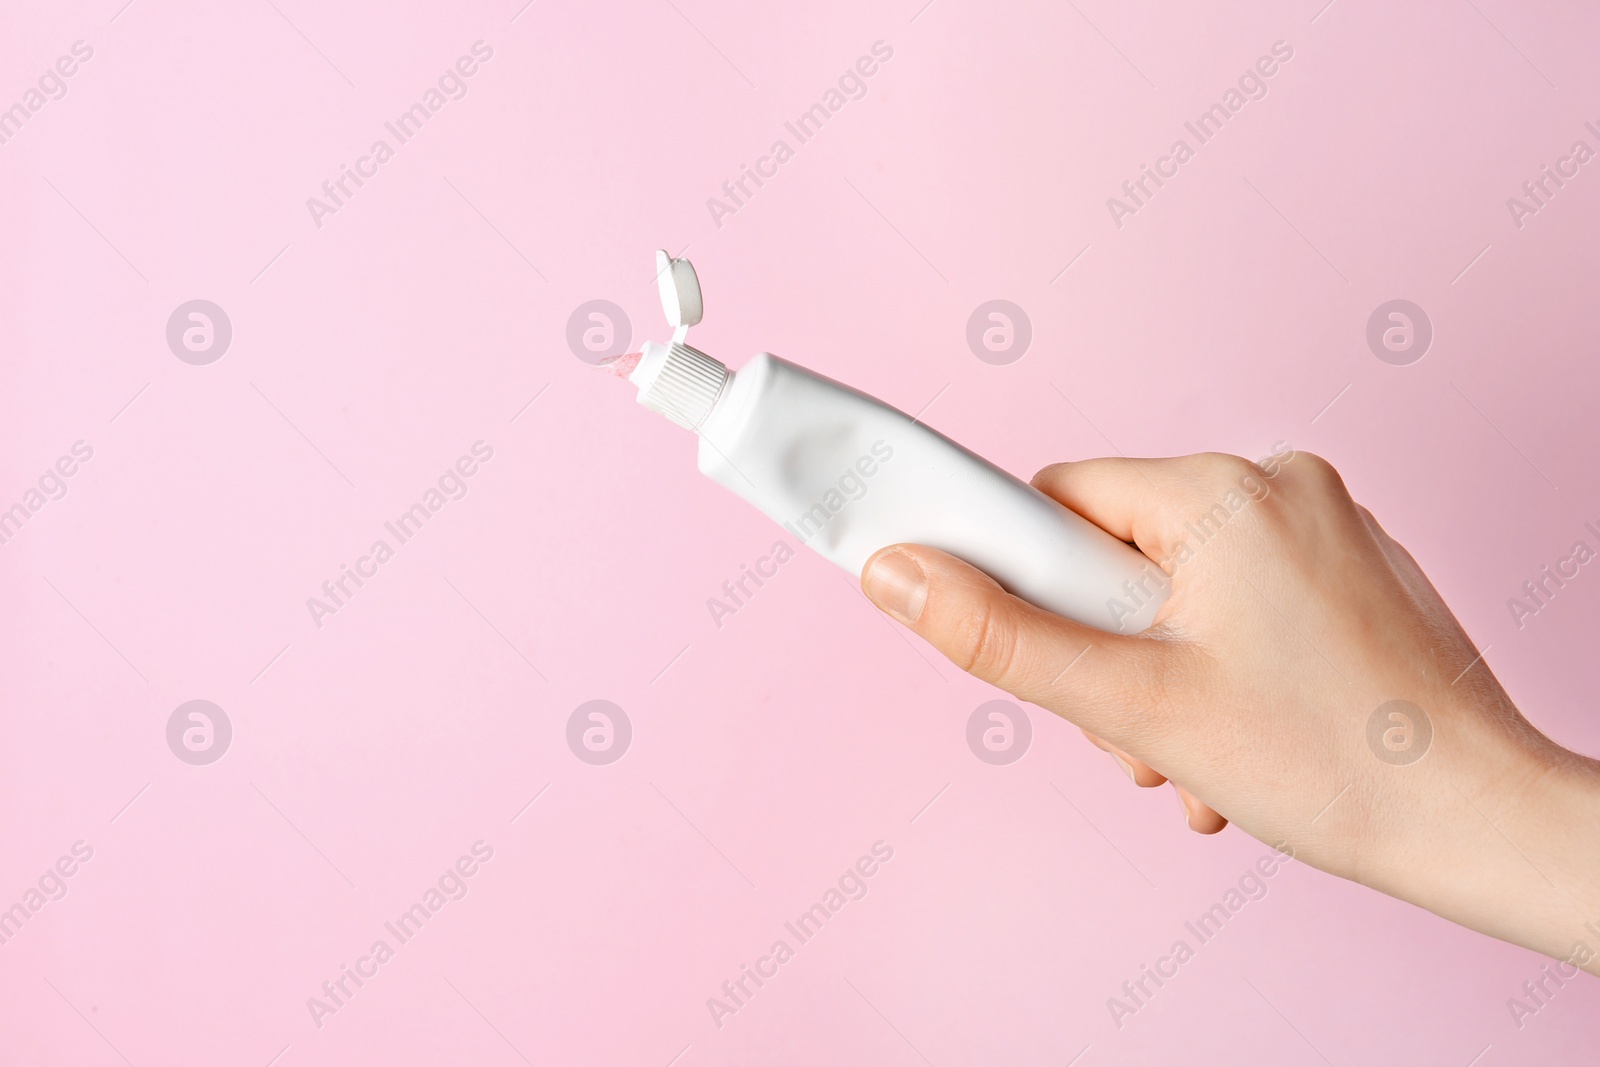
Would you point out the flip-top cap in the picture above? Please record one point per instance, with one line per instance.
(680, 382)
(680, 291)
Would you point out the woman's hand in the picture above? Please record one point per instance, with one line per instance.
(1304, 681)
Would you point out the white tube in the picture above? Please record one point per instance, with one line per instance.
(847, 475)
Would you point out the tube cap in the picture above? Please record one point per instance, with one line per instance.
(680, 382)
(680, 291)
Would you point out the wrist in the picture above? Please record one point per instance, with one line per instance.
(1565, 831)
(1519, 856)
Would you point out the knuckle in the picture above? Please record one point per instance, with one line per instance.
(1221, 486)
(986, 644)
(1318, 473)
(1223, 469)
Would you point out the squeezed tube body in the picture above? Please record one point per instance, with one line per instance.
(847, 475)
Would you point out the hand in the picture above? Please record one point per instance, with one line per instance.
(1263, 690)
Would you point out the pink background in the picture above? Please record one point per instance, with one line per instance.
(767, 754)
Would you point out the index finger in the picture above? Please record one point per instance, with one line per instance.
(1148, 501)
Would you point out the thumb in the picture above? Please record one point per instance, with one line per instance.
(1096, 679)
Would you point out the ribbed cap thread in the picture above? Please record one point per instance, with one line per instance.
(687, 386)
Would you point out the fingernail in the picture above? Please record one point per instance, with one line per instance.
(1188, 812)
(1125, 765)
(896, 584)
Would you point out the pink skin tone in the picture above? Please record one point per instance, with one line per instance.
(1252, 693)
